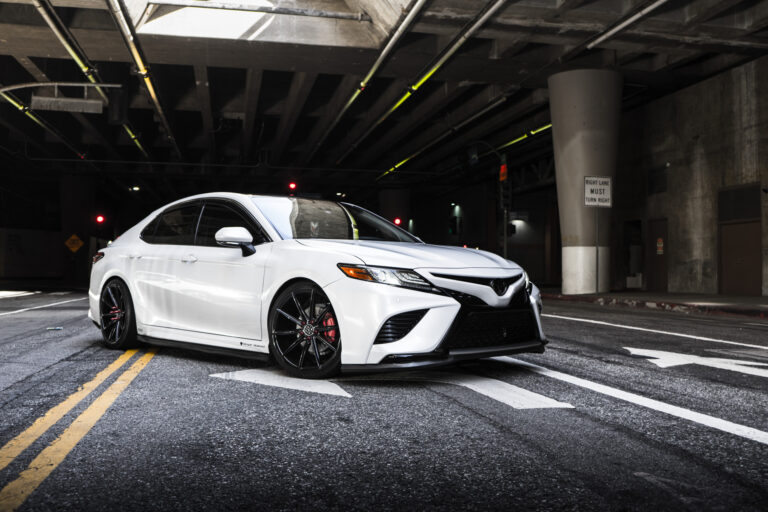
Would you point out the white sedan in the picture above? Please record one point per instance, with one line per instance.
(319, 285)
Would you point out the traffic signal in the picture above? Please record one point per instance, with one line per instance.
(398, 221)
(100, 219)
(292, 185)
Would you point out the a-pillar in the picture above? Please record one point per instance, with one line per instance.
(585, 106)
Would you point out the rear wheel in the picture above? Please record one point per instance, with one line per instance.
(118, 322)
(304, 333)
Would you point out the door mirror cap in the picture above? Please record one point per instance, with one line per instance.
(236, 237)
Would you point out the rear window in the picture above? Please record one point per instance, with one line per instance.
(176, 227)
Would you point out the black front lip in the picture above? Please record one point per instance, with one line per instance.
(432, 359)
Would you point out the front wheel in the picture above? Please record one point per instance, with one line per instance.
(118, 322)
(304, 333)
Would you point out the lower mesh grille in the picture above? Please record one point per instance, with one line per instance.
(398, 326)
(477, 328)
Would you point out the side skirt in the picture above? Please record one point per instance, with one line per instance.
(197, 347)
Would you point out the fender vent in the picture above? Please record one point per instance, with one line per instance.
(398, 326)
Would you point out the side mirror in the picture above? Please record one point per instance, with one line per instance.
(236, 237)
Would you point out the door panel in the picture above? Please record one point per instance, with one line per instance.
(156, 265)
(223, 291)
(740, 258)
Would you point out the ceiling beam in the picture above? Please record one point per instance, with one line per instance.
(374, 112)
(701, 11)
(340, 95)
(421, 113)
(40, 76)
(524, 107)
(301, 86)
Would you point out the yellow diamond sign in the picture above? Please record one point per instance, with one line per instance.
(74, 243)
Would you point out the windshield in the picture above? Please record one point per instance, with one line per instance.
(294, 217)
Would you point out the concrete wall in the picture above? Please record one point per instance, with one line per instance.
(27, 253)
(709, 136)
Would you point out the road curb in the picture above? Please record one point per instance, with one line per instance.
(679, 307)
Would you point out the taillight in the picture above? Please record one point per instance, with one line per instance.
(98, 256)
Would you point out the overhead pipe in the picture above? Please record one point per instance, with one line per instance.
(50, 16)
(65, 37)
(290, 11)
(467, 32)
(412, 11)
(589, 44)
(449, 131)
(129, 37)
(623, 24)
(27, 111)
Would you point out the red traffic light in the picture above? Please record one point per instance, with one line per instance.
(398, 221)
(100, 219)
(292, 186)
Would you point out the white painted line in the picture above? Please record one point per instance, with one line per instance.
(9, 294)
(498, 390)
(673, 410)
(655, 331)
(666, 359)
(276, 378)
(41, 307)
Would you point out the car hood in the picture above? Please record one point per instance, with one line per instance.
(411, 255)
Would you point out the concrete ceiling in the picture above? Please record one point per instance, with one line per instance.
(250, 96)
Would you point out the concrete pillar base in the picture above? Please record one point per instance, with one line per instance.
(579, 270)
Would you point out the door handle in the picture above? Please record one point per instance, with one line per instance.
(189, 258)
(134, 256)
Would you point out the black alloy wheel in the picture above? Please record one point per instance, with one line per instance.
(118, 323)
(304, 332)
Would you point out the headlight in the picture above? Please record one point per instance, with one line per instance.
(528, 283)
(392, 276)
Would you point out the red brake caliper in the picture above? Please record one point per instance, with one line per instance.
(330, 334)
(116, 312)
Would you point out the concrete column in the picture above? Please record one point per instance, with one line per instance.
(585, 106)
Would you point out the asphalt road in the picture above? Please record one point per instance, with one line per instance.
(676, 423)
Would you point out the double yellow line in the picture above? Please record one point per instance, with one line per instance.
(14, 494)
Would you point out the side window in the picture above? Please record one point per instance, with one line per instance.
(148, 233)
(177, 226)
(215, 217)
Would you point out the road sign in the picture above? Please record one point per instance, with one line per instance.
(597, 191)
(74, 243)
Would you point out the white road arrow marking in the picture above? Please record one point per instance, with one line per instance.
(668, 359)
(276, 378)
(498, 390)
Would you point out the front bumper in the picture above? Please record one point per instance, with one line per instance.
(440, 358)
(447, 330)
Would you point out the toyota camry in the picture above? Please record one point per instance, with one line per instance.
(319, 286)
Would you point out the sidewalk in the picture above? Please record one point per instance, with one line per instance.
(680, 302)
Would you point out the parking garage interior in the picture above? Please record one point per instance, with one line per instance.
(408, 108)
(617, 150)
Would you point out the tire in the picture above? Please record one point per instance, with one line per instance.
(304, 336)
(118, 321)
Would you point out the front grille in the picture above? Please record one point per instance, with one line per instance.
(398, 326)
(490, 327)
(499, 285)
(465, 298)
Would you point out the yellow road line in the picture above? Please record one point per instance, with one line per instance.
(14, 494)
(22, 441)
